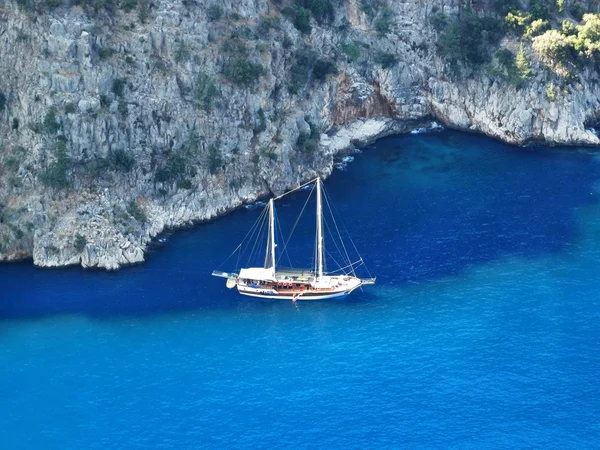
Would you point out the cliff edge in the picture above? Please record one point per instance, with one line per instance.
(118, 120)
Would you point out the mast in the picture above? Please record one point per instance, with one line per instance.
(319, 231)
(271, 243)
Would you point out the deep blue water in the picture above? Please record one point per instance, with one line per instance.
(483, 330)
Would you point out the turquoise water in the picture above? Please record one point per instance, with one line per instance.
(483, 330)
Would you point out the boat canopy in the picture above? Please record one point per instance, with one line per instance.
(257, 273)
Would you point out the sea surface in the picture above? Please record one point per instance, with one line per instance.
(483, 330)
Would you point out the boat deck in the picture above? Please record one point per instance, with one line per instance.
(301, 275)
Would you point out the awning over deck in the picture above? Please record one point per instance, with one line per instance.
(257, 273)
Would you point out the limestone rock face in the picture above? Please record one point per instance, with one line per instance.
(113, 129)
(517, 115)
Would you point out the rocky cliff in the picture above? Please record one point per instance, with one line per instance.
(119, 120)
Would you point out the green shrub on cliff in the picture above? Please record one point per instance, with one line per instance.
(323, 68)
(470, 38)
(352, 51)
(24, 4)
(260, 124)
(322, 10)
(300, 17)
(577, 11)
(386, 60)
(383, 23)
(70, 108)
(517, 21)
(80, 242)
(121, 161)
(439, 20)
(173, 170)
(52, 250)
(307, 64)
(368, 8)
(539, 9)
(505, 57)
(553, 47)
(536, 28)
(214, 160)
(503, 7)
(56, 173)
(510, 68)
(214, 12)
(568, 28)
(304, 61)
(182, 52)
(234, 46)
(143, 10)
(185, 183)
(118, 86)
(556, 39)
(301, 20)
(128, 5)
(206, 90)
(242, 71)
(137, 212)
(267, 24)
(51, 126)
(11, 163)
(551, 92)
(522, 64)
(308, 143)
(268, 153)
(588, 35)
(16, 231)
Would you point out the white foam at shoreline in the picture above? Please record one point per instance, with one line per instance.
(257, 204)
(433, 127)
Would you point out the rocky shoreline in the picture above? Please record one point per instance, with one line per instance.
(342, 143)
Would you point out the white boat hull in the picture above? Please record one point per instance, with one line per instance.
(300, 297)
(305, 295)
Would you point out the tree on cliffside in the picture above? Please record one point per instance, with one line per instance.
(552, 46)
(56, 174)
(588, 36)
(522, 65)
(470, 38)
(243, 72)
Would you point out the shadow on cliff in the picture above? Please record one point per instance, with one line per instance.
(420, 208)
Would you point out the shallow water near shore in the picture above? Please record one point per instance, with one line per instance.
(482, 331)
